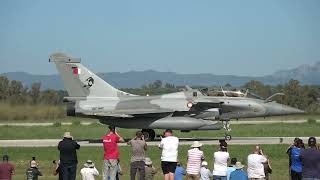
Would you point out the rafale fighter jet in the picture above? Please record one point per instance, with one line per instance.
(92, 97)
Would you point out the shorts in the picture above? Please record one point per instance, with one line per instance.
(168, 167)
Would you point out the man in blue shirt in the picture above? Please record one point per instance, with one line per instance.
(180, 172)
(296, 164)
(238, 174)
(231, 168)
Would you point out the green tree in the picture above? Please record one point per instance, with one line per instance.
(4, 87)
(35, 92)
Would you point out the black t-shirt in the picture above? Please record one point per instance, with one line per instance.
(33, 173)
(68, 154)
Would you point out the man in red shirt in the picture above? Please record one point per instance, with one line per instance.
(6, 169)
(111, 153)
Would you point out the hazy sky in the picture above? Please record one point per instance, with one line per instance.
(241, 37)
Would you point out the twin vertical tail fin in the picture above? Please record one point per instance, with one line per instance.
(80, 81)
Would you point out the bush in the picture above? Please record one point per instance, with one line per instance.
(311, 121)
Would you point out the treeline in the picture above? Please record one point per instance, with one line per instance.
(18, 102)
(21, 102)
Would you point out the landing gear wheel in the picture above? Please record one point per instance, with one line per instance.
(148, 134)
(227, 137)
(226, 127)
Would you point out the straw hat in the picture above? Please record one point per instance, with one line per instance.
(238, 165)
(148, 161)
(89, 164)
(196, 144)
(67, 135)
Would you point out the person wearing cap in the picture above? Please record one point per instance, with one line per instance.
(150, 170)
(6, 169)
(89, 171)
(169, 145)
(205, 173)
(220, 164)
(68, 157)
(111, 154)
(310, 158)
(195, 156)
(139, 146)
(180, 172)
(231, 167)
(239, 173)
(33, 172)
(255, 164)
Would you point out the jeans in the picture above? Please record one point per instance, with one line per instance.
(220, 177)
(68, 172)
(296, 175)
(137, 166)
(110, 169)
(310, 179)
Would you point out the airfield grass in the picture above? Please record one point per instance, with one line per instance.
(21, 157)
(95, 131)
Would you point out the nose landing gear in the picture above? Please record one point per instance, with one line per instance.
(226, 127)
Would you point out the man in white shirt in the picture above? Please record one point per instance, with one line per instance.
(195, 155)
(220, 162)
(89, 171)
(169, 145)
(205, 173)
(255, 165)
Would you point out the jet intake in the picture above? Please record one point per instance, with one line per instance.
(71, 110)
(210, 114)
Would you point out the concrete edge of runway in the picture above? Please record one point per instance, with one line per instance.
(183, 141)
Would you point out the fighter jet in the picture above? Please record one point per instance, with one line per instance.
(92, 97)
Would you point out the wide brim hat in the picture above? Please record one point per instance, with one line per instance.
(89, 164)
(196, 144)
(67, 135)
(148, 161)
(238, 165)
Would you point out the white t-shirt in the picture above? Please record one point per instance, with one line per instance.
(169, 146)
(205, 174)
(220, 163)
(89, 173)
(255, 166)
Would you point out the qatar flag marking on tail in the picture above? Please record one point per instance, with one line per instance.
(76, 70)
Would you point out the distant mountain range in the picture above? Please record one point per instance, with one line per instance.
(306, 74)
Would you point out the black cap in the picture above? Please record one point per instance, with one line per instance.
(5, 158)
(168, 130)
(312, 141)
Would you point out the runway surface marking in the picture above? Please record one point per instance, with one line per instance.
(183, 141)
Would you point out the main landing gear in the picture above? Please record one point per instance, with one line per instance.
(226, 127)
(149, 134)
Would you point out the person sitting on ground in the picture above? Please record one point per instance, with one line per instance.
(6, 169)
(205, 173)
(33, 172)
(231, 167)
(139, 146)
(239, 173)
(150, 170)
(169, 145)
(89, 171)
(310, 159)
(195, 156)
(180, 172)
(255, 164)
(220, 162)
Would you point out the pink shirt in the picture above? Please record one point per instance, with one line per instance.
(110, 146)
(6, 170)
(194, 161)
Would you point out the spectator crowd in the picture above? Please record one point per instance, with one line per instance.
(304, 163)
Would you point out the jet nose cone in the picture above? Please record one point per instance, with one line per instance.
(291, 110)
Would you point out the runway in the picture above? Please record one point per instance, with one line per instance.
(183, 141)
